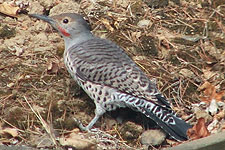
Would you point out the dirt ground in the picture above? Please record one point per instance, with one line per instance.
(180, 44)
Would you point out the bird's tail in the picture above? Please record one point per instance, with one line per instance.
(160, 113)
(167, 120)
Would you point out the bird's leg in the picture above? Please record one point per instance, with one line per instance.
(98, 113)
(89, 126)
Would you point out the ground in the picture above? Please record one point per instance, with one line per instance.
(179, 44)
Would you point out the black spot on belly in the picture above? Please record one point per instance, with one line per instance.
(100, 92)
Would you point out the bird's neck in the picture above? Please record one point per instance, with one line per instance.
(77, 38)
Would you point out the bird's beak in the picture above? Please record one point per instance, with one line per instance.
(44, 18)
(52, 22)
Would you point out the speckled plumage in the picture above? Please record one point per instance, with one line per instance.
(110, 77)
(104, 63)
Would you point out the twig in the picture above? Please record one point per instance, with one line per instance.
(44, 123)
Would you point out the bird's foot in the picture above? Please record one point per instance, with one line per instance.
(82, 127)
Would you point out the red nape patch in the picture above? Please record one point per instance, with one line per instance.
(63, 31)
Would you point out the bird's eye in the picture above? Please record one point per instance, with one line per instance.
(65, 21)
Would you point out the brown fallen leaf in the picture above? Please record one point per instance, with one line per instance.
(9, 9)
(207, 73)
(13, 8)
(199, 130)
(75, 140)
(220, 115)
(210, 93)
(172, 142)
(9, 132)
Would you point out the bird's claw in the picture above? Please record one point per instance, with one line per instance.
(84, 128)
(80, 125)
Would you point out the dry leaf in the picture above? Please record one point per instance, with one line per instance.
(9, 9)
(199, 130)
(13, 8)
(205, 85)
(9, 131)
(208, 74)
(144, 23)
(186, 73)
(220, 115)
(171, 142)
(210, 93)
(76, 141)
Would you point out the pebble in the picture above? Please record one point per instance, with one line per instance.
(152, 137)
(143, 23)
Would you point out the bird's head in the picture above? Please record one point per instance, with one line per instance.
(69, 25)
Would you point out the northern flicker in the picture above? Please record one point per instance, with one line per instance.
(110, 77)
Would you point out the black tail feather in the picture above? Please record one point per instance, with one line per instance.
(177, 130)
(162, 114)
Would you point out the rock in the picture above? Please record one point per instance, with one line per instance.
(41, 141)
(186, 72)
(144, 23)
(152, 137)
(131, 131)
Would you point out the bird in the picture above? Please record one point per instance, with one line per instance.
(110, 77)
